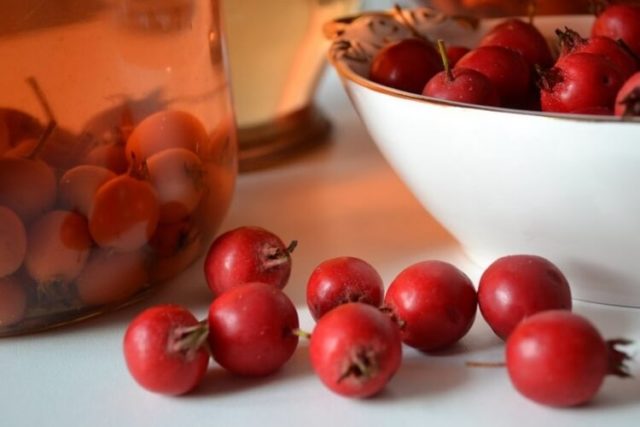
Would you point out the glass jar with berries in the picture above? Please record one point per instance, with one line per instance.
(117, 152)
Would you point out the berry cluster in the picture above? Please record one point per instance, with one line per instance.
(356, 345)
(90, 219)
(513, 66)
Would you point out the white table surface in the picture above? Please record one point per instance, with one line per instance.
(342, 199)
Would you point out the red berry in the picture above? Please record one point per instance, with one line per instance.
(247, 254)
(571, 42)
(628, 97)
(435, 304)
(341, 280)
(164, 350)
(124, 214)
(518, 286)
(620, 21)
(506, 69)
(463, 85)
(522, 37)
(355, 349)
(579, 82)
(251, 329)
(558, 358)
(454, 53)
(406, 65)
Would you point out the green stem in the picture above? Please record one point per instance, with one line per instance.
(301, 333)
(445, 59)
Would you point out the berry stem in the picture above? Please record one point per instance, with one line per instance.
(48, 112)
(41, 97)
(442, 49)
(532, 7)
(476, 364)
(43, 139)
(301, 333)
(624, 46)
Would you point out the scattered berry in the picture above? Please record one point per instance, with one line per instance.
(341, 280)
(355, 349)
(518, 286)
(434, 303)
(558, 358)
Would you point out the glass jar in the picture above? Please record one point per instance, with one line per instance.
(117, 151)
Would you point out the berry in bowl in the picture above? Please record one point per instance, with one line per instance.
(510, 140)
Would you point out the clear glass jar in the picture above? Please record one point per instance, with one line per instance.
(117, 151)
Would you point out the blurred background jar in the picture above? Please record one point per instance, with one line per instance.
(118, 151)
(277, 52)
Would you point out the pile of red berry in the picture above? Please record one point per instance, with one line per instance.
(553, 356)
(513, 66)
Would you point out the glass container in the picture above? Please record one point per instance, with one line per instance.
(276, 55)
(118, 151)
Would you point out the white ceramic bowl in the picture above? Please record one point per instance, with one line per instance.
(505, 181)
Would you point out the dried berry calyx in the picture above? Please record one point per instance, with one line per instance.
(631, 103)
(362, 366)
(569, 40)
(274, 256)
(548, 79)
(618, 359)
(187, 340)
